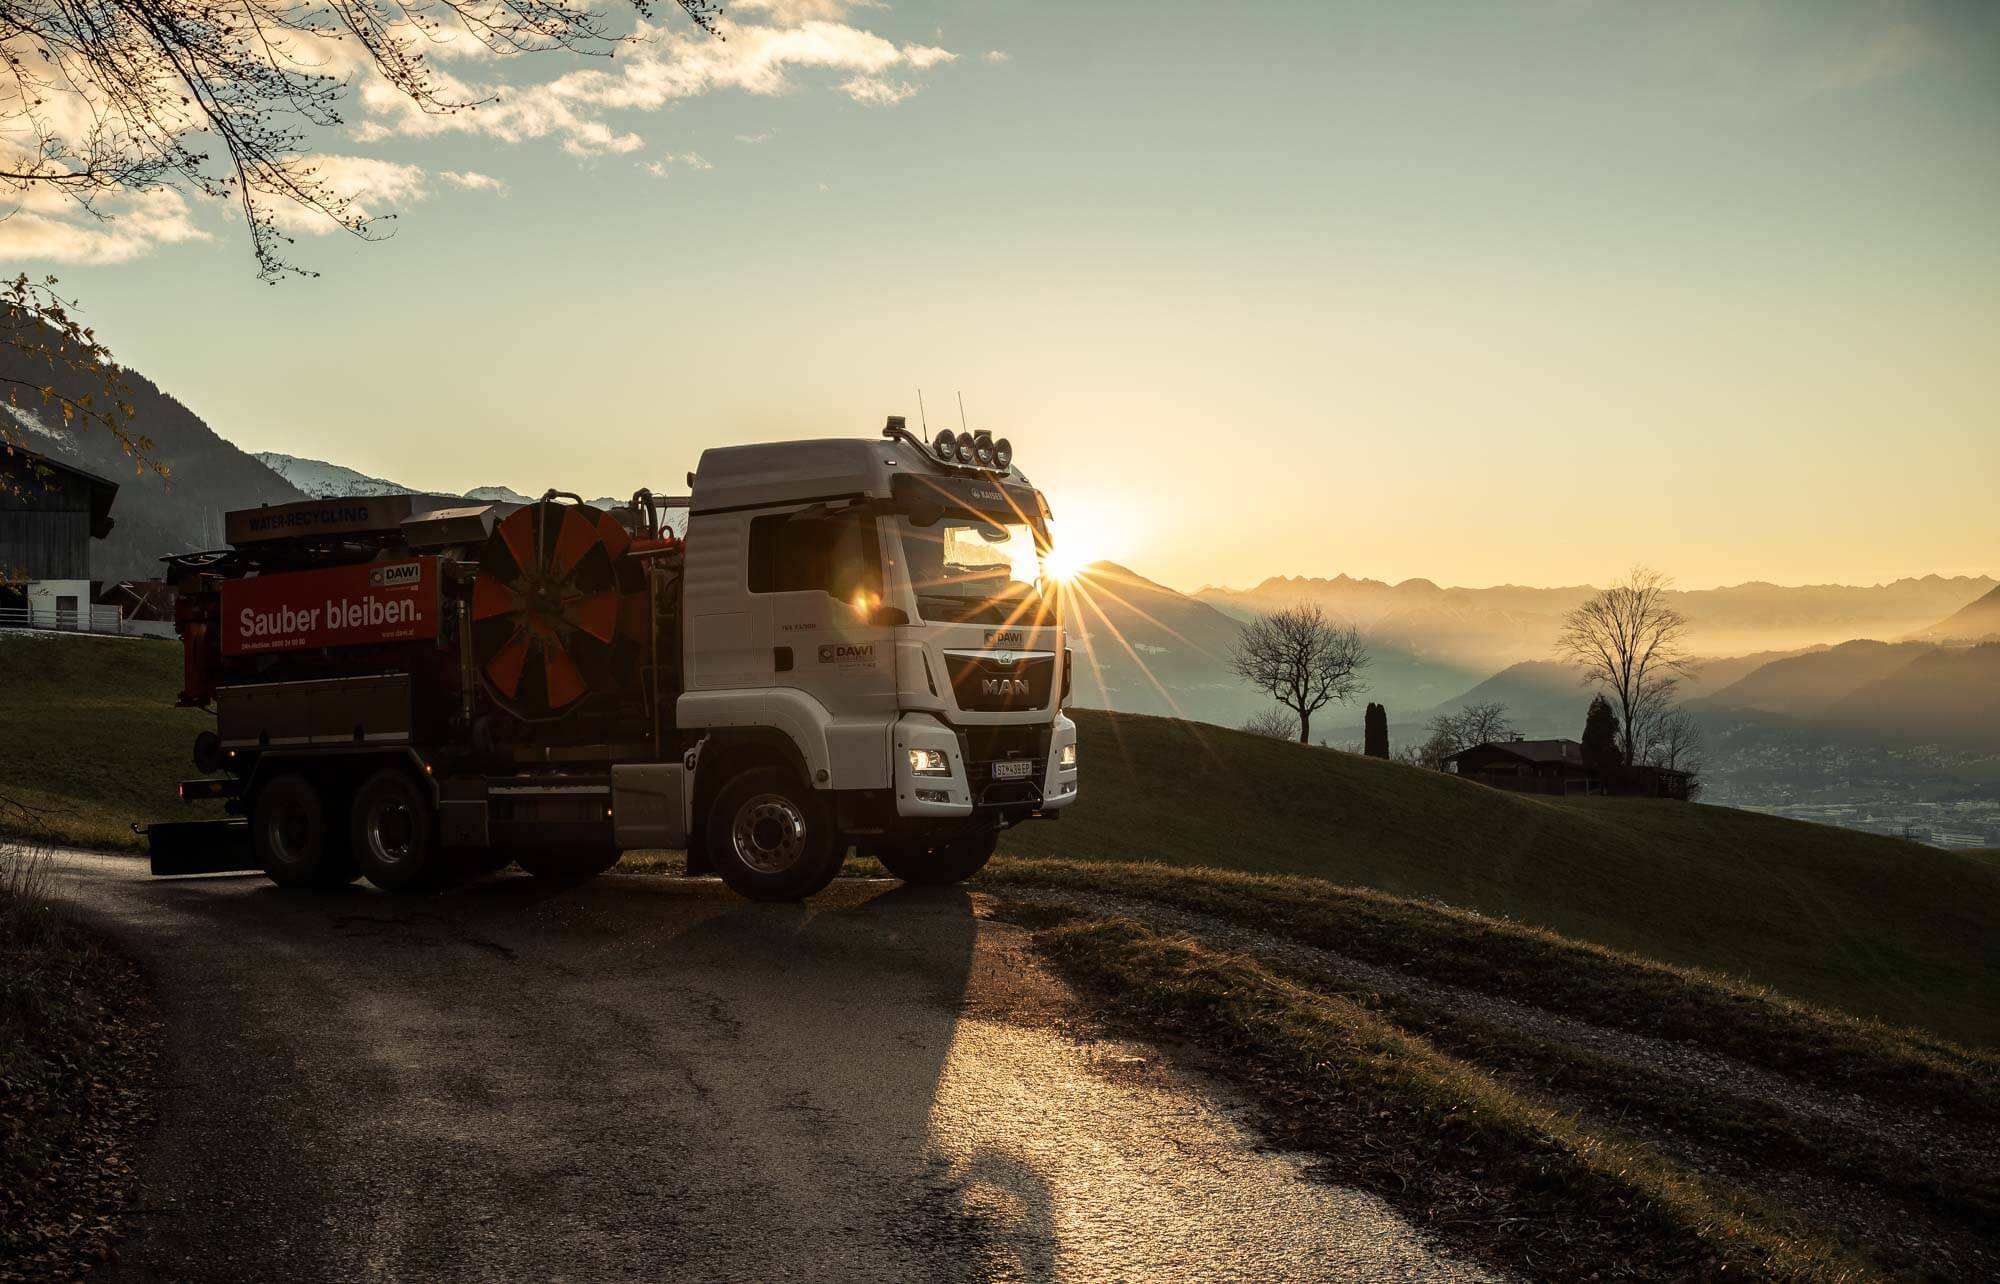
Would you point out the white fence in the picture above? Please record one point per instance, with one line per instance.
(94, 619)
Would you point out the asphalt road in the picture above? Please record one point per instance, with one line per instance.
(649, 1079)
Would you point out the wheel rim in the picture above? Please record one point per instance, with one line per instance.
(769, 833)
(390, 831)
(290, 831)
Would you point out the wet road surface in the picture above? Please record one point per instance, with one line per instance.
(649, 1079)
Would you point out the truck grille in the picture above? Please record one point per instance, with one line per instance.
(999, 681)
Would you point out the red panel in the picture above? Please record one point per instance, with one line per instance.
(577, 535)
(490, 598)
(504, 669)
(357, 605)
(566, 684)
(597, 614)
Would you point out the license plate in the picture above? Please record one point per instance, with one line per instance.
(1020, 769)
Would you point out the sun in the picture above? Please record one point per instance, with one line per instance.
(1079, 539)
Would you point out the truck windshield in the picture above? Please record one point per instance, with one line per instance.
(969, 570)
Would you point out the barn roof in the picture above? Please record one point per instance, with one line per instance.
(18, 461)
(1530, 750)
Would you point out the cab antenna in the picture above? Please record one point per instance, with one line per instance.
(961, 412)
(921, 418)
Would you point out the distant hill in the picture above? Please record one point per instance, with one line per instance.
(153, 516)
(1806, 685)
(1877, 926)
(1977, 622)
(1490, 628)
(1947, 696)
(1145, 648)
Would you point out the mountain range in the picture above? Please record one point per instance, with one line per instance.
(1491, 627)
(1788, 653)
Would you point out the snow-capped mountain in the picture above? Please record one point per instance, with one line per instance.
(323, 480)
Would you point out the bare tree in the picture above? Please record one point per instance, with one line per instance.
(1302, 660)
(1676, 744)
(1278, 724)
(104, 96)
(1448, 733)
(1628, 641)
(1482, 724)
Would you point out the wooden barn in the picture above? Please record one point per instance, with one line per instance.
(50, 514)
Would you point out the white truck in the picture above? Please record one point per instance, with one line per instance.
(852, 644)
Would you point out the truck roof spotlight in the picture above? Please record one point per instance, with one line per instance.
(982, 449)
(1003, 454)
(946, 446)
(965, 455)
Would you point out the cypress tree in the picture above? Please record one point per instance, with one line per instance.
(1375, 732)
(1600, 737)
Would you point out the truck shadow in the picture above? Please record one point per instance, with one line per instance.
(785, 1085)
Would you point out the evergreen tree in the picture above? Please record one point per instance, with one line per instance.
(1375, 741)
(1600, 736)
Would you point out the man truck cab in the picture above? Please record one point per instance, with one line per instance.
(886, 609)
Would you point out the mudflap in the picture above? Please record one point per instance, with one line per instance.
(200, 847)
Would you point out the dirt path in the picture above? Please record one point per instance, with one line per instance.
(649, 1079)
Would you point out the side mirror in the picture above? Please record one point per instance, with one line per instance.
(888, 617)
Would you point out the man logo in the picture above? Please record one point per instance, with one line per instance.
(1003, 686)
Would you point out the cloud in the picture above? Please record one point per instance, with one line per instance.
(370, 186)
(47, 227)
(667, 66)
(755, 138)
(686, 160)
(790, 13)
(471, 181)
(873, 89)
(997, 55)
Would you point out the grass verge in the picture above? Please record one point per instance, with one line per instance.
(1490, 1169)
(77, 1043)
(1590, 983)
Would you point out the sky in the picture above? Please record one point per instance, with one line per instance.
(1482, 292)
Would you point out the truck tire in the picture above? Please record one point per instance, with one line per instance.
(771, 838)
(394, 830)
(942, 864)
(574, 864)
(294, 844)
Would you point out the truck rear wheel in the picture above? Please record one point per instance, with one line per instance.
(942, 864)
(294, 844)
(394, 832)
(771, 838)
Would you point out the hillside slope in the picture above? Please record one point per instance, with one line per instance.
(1872, 925)
(1804, 685)
(153, 515)
(1976, 622)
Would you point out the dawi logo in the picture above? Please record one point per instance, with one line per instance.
(396, 576)
(833, 652)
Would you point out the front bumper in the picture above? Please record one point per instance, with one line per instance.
(1014, 769)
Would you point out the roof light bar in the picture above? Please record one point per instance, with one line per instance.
(973, 450)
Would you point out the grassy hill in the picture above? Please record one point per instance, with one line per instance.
(1871, 925)
(1875, 926)
(92, 735)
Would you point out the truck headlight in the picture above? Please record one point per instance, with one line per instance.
(1067, 758)
(929, 762)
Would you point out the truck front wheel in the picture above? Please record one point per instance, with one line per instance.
(942, 864)
(394, 832)
(771, 838)
(294, 844)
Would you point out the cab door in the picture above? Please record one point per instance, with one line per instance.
(821, 572)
